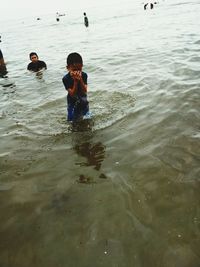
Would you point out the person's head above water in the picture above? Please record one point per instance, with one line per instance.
(33, 56)
(74, 61)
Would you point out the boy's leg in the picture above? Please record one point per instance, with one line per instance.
(77, 111)
(74, 110)
(70, 112)
(84, 105)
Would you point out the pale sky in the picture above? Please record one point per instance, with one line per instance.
(12, 9)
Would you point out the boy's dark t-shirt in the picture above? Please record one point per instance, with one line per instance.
(68, 83)
(36, 66)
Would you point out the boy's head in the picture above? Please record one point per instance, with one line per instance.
(74, 62)
(33, 56)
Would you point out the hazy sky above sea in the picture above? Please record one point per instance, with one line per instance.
(12, 9)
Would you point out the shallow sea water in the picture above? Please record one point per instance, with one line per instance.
(123, 189)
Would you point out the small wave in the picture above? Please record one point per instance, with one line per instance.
(6, 83)
(107, 109)
(188, 72)
(194, 59)
(49, 104)
(110, 107)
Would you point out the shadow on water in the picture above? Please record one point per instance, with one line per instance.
(39, 75)
(85, 146)
(5, 82)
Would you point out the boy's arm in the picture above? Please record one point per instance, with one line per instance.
(83, 85)
(82, 82)
(28, 67)
(72, 91)
(78, 79)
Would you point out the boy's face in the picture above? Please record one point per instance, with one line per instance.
(34, 58)
(75, 67)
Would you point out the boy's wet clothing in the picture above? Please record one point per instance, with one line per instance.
(77, 105)
(36, 66)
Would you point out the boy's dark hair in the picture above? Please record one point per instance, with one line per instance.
(33, 54)
(74, 58)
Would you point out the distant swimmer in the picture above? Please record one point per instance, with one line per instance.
(86, 21)
(57, 16)
(36, 64)
(151, 6)
(3, 70)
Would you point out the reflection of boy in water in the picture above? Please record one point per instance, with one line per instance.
(36, 64)
(75, 82)
(3, 70)
(93, 152)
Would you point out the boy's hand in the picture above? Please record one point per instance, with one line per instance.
(76, 75)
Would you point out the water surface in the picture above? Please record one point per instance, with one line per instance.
(124, 191)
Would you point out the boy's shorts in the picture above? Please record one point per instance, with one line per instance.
(77, 109)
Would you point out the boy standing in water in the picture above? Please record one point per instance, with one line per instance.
(75, 82)
(36, 64)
